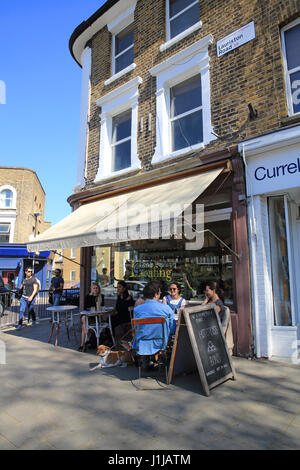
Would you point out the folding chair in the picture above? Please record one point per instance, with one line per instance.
(142, 359)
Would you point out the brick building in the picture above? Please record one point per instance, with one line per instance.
(170, 91)
(22, 205)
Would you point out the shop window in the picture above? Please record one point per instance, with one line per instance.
(290, 42)
(182, 14)
(166, 260)
(6, 198)
(123, 49)
(186, 113)
(121, 141)
(4, 233)
(280, 262)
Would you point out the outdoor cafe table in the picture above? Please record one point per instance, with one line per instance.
(98, 320)
(61, 314)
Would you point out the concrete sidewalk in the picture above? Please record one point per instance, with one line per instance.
(50, 400)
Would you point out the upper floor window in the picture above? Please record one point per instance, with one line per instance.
(6, 198)
(123, 49)
(291, 41)
(182, 15)
(73, 252)
(4, 233)
(186, 113)
(121, 141)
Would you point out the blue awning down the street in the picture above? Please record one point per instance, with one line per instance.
(126, 216)
(9, 264)
(20, 252)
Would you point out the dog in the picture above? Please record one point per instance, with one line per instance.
(108, 358)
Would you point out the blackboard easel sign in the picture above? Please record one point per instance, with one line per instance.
(200, 344)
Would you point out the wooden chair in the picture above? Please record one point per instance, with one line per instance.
(161, 353)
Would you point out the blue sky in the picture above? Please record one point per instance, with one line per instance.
(39, 124)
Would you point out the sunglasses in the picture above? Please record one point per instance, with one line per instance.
(29, 271)
(173, 288)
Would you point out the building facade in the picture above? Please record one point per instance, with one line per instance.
(170, 88)
(22, 205)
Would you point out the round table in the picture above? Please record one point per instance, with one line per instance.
(100, 322)
(67, 312)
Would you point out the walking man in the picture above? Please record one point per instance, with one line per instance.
(57, 285)
(30, 289)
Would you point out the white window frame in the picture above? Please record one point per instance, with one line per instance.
(117, 101)
(8, 232)
(14, 196)
(171, 41)
(116, 27)
(116, 56)
(72, 253)
(183, 115)
(289, 92)
(176, 69)
(74, 273)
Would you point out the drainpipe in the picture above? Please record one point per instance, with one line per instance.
(253, 258)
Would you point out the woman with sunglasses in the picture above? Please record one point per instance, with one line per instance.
(174, 300)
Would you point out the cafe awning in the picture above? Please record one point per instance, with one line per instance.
(126, 216)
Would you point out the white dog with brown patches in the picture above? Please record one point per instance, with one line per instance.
(108, 358)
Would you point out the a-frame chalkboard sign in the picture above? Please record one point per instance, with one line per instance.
(200, 344)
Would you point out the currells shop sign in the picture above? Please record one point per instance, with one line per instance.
(236, 39)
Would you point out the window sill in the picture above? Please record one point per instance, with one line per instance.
(178, 153)
(180, 36)
(120, 74)
(103, 178)
(289, 120)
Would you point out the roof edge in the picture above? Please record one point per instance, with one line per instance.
(87, 23)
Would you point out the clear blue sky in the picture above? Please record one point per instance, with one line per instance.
(39, 124)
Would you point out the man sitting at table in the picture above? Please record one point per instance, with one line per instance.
(148, 336)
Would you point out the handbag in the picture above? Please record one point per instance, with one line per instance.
(19, 293)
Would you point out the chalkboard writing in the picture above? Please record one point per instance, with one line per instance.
(200, 334)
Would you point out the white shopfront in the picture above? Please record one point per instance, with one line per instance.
(272, 165)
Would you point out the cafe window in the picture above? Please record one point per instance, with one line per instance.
(4, 233)
(181, 14)
(186, 114)
(290, 42)
(166, 260)
(123, 49)
(280, 261)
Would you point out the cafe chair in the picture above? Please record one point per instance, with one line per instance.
(143, 334)
(227, 330)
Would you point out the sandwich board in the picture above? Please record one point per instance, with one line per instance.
(200, 344)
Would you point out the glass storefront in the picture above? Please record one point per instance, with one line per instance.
(139, 261)
(279, 262)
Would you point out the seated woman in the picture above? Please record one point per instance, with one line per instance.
(174, 300)
(215, 295)
(93, 299)
(124, 301)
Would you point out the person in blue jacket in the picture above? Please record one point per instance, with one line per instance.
(148, 339)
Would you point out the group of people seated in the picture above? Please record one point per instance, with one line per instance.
(148, 306)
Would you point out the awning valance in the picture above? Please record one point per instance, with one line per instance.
(125, 217)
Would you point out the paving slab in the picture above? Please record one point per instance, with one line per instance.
(51, 400)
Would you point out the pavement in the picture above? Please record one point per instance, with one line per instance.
(50, 400)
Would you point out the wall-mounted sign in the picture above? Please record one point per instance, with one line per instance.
(236, 39)
(274, 170)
